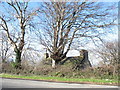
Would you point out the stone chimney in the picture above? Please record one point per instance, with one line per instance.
(85, 59)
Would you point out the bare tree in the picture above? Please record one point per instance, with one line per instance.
(16, 18)
(62, 23)
(108, 52)
(4, 46)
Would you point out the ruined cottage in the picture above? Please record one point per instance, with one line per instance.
(80, 62)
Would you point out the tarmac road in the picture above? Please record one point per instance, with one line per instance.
(18, 83)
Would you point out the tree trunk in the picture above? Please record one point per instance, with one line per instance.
(18, 59)
(53, 63)
(56, 59)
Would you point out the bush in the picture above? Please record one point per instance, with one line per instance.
(103, 72)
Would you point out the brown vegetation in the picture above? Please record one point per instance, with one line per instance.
(103, 72)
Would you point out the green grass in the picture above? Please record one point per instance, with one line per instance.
(77, 80)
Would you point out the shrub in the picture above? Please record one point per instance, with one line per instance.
(103, 72)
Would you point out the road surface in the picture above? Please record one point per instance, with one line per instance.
(17, 83)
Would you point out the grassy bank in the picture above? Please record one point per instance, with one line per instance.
(63, 79)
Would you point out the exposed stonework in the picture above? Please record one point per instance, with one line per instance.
(85, 59)
(80, 62)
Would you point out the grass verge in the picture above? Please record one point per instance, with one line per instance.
(62, 79)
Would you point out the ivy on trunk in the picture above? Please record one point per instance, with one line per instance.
(18, 59)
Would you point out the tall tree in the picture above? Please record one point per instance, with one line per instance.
(62, 23)
(16, 18)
